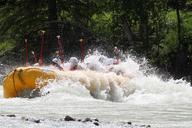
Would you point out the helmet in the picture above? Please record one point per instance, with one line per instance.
(55, 60)
(102, 59)
(73, 60)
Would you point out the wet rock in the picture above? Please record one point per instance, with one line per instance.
(96, 123)
(12, 115)
(129, 123)
(79, 120)
(24, 118)
(31, 119)
(148, 126)
(68, 118)
(46, 93)
(87, 120)
(37, 121)
(96, 120)
(35, 93)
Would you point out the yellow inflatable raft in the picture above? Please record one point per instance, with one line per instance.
(25, 78)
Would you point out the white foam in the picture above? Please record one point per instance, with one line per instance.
(137, 97)
(133, 86)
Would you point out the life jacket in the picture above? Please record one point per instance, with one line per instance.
(73, 68)
(57, 66)
(116, 61)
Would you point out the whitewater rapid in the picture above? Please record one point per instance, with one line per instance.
(134, 96)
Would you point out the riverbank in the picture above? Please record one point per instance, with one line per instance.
(12, 120)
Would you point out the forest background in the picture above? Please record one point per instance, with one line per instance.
(160, 30)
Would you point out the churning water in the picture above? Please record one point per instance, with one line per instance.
(133, 96)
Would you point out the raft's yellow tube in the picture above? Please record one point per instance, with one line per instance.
(24, 78)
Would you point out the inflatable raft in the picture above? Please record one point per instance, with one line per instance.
(25, 79)
(28, 81)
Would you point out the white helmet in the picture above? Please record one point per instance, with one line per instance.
(73, 60)
(55, 60)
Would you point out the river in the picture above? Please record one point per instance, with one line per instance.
(159, 103)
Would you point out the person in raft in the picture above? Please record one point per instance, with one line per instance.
(116, 55)
(73, 61)
(39, 63)
(57, 61)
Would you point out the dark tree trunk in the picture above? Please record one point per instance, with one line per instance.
(128, 32)
(144, 34)
(178, 23)
(52, 27)
(52, 10)
(143, 27)
(179, 57)
(50, 45)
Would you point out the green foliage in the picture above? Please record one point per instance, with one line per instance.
(101, 24)
(171, 20)
(170, 43)
(6, 46)
(187, 22)
(155, 28)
